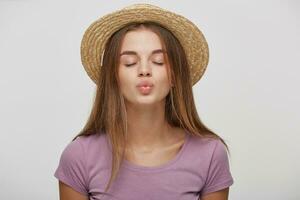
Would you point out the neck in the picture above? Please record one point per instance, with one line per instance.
(147, 126)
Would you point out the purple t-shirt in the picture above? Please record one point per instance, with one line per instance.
(200, 167)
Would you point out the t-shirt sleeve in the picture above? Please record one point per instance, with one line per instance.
(72, 167)
(219, 175)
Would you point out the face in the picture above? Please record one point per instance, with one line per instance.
(142, 60)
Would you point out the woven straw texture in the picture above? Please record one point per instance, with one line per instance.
(98, 33)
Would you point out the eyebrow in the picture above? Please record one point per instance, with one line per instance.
(157, 51)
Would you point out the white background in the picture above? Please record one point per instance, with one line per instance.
(249, 94)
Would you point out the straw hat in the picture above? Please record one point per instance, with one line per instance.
(98, 33)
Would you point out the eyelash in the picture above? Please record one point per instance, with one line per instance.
(128, 65)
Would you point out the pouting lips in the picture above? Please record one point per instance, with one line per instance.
(145, 89)
(144, 83)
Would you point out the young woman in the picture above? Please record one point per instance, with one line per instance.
(144, 139)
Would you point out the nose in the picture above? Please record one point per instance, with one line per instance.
(144, 69)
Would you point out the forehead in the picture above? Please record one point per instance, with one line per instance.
(142, 41)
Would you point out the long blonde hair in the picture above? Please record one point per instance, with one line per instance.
(108, 113)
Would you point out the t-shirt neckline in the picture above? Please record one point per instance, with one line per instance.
(129, 165)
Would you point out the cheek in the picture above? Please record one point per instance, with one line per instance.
(126, 82)
(163, 85)
(122, 76)
(162, 78)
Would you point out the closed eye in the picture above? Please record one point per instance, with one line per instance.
(158, 63)
(128, 65)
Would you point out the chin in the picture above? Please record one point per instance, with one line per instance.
(144, 100)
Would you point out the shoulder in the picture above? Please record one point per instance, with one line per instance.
(90, 141)
(206, 145)
(95, 147)
(218, 175)
(207, 151)
(82, 146)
